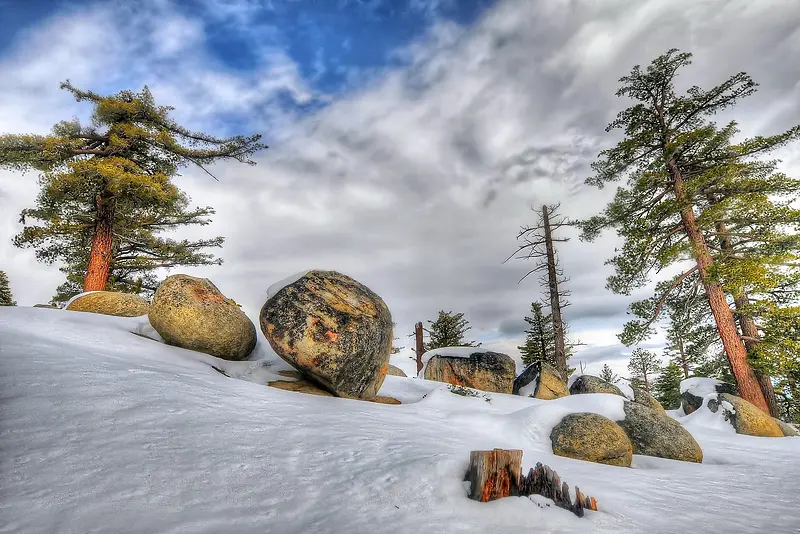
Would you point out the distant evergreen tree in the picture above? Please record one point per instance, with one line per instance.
(667, 386)
(607, 374)
(642, 366)
(540, 338)
(448, 330)
(6, 298)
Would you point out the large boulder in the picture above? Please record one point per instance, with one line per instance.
(653, 433)
(788, 429)
(694, 390)
(192, 313)
(110, 303)
(395, 371)
(593, 438)
(332, 329)
(642, 397)
(745, 417)
(593, 384)
(482, 369)
(540, 380)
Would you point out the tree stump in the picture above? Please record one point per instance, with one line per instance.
(494, 474)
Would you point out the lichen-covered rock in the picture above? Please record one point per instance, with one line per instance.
(645, 399)
(395, 371)
(593, 438)
(653, 433)
(483, 369)
(593, 384)
(192, 313)
(745, 417)
(110, 303)
(332, 329)
(540, 380)
(300, 386)
(787, 429)
(694, 390)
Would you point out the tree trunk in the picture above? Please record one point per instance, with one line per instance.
(494, 474)
(746, 380)
(555, 304)
(420, 347)
(684, 363)
(747, 324)
(102, 242)
(646, 383)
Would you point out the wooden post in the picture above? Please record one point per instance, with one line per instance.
(494, 474)
(420, 346)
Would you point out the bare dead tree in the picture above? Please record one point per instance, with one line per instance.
(537, 244)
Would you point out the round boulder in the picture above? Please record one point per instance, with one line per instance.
(192, 313)
(110, 303)
(395, 371)
(745, 417)
(593, 438)
(642, 397)
(332, 329)
(541, 381)
(653, 433)
(483, 369)
(593, 384)
(788, 430)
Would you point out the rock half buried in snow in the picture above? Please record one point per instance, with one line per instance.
(540, 380)
(593, 438)
(642, 397)
(593, 384)
(653, 433)
(473, 368)
(745, 417)
(693, 391)
(110, 303)
(192, 313)
(787, 429)
(332, 329)
(395, 371)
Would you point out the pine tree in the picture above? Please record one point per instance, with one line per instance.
(642, 366)
(6, 298)
(669, 155)
(540, 338)
(607, 374)
(448, 330)
(667, 386)
(108, 185)
(539, 245)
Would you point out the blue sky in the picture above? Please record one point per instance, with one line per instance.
(408, 139)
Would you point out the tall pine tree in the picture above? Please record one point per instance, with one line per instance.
(669, 156)
(642, 366)
(448, 330)
(540, 339)
(6, 298)
(109, 184)
(667, 386)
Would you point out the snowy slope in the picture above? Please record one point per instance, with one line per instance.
(107, 431)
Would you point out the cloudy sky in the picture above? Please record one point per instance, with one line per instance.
(409, 139)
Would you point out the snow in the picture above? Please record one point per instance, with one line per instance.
(625, 387)
(289, 280)
(529, 389)
(450, 352)
(107, 431)
(704, 419)
(699, 386)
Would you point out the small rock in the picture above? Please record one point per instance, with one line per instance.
(191, 313)
(395, 371)
(110, 303)
(484, 370)
(300, 386)
(332, 329)
(593, 438)
(45, 306)
(691, 402)
(653, 433)
(788, 430)
(593, 384)
(542, 381)
(383, 399)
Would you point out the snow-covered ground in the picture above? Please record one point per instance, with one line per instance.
(106, 431)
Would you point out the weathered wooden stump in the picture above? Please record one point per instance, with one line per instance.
(494, 474)
(497, 473)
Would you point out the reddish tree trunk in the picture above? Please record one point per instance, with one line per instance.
(746, 381)
(102, 241)
(420, 346)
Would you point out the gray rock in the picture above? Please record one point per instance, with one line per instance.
(332, 329)
(395, 371)
(653, 433)
(484, 370)
(690, 402)
(788, 429)
(546, 379)
(593, 438)
(642, 397)
(593, 384)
